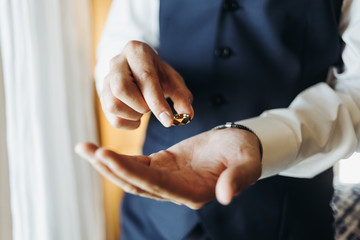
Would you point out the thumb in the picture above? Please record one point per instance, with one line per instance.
(235, 179)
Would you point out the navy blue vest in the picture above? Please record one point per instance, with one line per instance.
(240, 58)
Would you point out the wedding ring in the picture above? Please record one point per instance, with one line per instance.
(181, 119)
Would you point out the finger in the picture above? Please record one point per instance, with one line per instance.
(127, 187)
(150, 87)
(123, 87)
(113, 105)
(143, 64)
(115, 121)
(234, 180)
(181, 104)
(110, 157)
(119, 109)
(154, 181)
(121, 123)
(107, 172)
(177, 90)
(88, 151)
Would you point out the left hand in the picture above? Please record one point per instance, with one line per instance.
(216, 163)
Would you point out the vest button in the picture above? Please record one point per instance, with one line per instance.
(231, 6)
(223, 52)
(217, 100)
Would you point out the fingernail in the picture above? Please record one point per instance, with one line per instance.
(165, 119)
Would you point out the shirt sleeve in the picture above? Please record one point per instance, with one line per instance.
(322, 124)
(127, 20)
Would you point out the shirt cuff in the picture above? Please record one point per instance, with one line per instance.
(279, 144)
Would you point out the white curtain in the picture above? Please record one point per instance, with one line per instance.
(46, 53)
(5, 215)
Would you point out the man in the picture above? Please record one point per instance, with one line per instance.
(236, 59)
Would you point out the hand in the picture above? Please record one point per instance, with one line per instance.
(139, 82)
(217, 163)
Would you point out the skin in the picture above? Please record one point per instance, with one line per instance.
(139, 82)
(217, 163)
(214, 164)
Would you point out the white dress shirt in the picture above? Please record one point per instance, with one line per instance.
(322, 124)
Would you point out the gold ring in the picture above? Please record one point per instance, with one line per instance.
(181, 119)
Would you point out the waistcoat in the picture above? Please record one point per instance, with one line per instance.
(240, 58)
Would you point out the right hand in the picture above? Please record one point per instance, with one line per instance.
(139, 82)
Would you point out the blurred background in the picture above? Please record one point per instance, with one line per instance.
(48, 104)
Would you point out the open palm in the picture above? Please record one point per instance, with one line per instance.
(217, 163)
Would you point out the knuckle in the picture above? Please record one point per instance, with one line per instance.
(155, 103)
(110, 105)
(184, 94)
(118, 88)
(116, 123)
(181, 92)
(132, 46)
(147, 75)
(115, 61)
